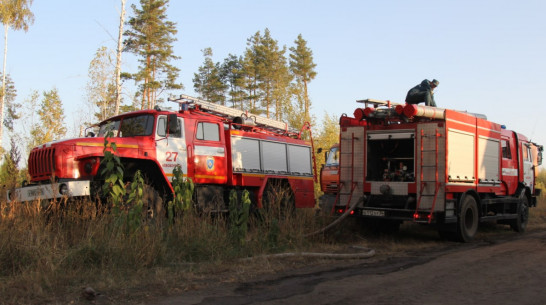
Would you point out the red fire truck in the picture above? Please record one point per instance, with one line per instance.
(447, 168)
(218, 147)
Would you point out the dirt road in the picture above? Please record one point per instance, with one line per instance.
(510, 271)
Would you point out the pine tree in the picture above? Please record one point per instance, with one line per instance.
(51, 114)
(207, 82)
(11, 106)
(251, 74)
(150, 37)
(267, 74)
(14, 14)
(303, 69)
(232, 75)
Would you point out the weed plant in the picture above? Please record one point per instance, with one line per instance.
(50, 250)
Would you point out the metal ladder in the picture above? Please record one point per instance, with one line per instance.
(351, 184)
(416, 216)
(260, 121)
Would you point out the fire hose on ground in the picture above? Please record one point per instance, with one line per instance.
(360, 255)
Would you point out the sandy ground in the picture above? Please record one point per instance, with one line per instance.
(508, 271)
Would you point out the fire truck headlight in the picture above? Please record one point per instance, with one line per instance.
(63, 189)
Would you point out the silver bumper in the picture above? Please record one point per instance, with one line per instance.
(50, 191)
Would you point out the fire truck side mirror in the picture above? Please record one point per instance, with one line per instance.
(172, 123)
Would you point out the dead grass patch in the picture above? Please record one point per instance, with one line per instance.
(49, 256)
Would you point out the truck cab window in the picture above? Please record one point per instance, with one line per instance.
(106, 127)
(141, 125)
(207, 132)
(506, 150)
(162, 128)
(529, 153)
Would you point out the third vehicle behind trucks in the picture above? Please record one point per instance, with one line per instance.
(329, 178)
(442, 167)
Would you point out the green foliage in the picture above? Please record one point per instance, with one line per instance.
(303, 69)
(238, 216)
(324, 137)
(273, 234)
(183, 193)
(11, 106)
(9, 170)
(268, 74)
(207, 82)
(51, 115)
(112, 172)
(541, 182)
(150, 37)
(16, 14)
(100, 89)
(232, 74)
(134, 202)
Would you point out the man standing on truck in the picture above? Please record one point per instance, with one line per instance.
(424, 92)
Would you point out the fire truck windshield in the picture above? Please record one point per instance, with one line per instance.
(141, 125)
(333, 157)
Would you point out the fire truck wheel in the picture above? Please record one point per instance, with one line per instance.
(152, 202)
(278, 199)
(520, 223)
(467, 225)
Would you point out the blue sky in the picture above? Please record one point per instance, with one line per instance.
(489, 56)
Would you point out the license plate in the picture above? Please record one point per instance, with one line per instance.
(374, 213)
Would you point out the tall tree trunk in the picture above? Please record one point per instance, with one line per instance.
(2, 101)
(118, 57)
(306, 99)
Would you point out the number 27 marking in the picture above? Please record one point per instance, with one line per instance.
(171, 156)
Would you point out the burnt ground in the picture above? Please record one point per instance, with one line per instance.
(506, 270)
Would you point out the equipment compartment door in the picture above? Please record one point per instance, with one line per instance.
(171, 148)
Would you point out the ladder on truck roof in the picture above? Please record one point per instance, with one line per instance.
(377, 103)
(224, 111)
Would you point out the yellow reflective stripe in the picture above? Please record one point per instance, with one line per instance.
(171, 175)
(101, 145)
(209, 177)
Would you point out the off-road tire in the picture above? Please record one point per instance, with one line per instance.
(520, 223)
(467, 224)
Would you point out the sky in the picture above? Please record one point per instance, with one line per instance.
(489, 55)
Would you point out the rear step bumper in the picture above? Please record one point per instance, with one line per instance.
(396, 214)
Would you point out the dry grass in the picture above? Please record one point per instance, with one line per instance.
(537, 218)
(47, 258)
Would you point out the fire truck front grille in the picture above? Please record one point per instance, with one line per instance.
(41, 165)
(331, 187)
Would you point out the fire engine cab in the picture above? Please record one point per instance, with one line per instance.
(451, 169)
